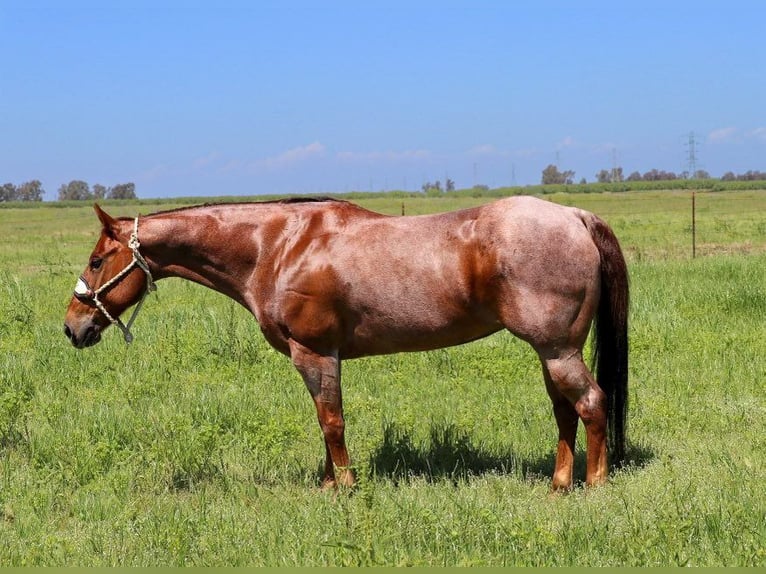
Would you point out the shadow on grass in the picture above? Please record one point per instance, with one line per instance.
(450, 455)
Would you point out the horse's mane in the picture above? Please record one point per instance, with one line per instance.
(284, 201)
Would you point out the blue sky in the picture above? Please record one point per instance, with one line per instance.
(254, 97)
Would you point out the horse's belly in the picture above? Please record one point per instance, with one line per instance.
(415, 332)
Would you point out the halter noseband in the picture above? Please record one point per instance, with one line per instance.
(84, 293)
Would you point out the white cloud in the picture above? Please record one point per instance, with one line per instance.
(528, 153)
(722, 135)
(232, 165)
(154, 173)
(391, 156)
(603, 148)
(568, 141)
(758, 133)
(580, 146)
(282, 160)
(205, 161)
(291, 156)
(486, 149)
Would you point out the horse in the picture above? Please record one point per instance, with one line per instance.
(328, 280)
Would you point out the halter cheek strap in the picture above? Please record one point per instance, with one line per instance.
(84, 292)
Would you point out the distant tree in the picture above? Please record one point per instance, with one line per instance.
(99, 191)
(7, 192)
(728, 176)
(30, 191)
(635, 176)
(75, 189)
(449, 185)
(432, 188)
(603, 176)
(123, 191)
(583, 181)
(659, 175)
(552, 175)
(751, 175)
(701, 174)
(651, 175)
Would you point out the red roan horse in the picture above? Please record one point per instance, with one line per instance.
(328, 280)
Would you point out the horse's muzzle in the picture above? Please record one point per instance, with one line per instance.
(88, 337)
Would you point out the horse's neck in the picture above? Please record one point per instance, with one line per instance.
(194, 246)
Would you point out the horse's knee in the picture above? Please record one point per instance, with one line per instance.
(334, 433)
(333, 427)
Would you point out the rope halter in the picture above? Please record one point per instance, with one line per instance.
(84, 293)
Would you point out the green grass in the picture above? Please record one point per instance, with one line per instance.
(198, 444)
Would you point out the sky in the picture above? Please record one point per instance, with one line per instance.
(196, 98)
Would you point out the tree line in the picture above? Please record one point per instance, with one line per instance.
(79, 190)
(28, 191)
(553, 176)
(74, 190)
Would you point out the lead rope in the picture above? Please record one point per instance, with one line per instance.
(140, 262)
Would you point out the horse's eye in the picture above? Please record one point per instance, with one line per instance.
(95, 263)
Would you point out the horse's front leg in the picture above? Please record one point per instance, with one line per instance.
(321, 373)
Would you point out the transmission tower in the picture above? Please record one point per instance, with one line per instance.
(691, 155)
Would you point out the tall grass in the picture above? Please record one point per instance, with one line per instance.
(198, 445)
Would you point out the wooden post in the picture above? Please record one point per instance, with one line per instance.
(694, 225)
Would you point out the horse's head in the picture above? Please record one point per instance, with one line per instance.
(116, 277)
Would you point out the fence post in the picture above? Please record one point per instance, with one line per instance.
(694, 225)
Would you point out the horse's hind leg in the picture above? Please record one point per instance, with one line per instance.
(321, 373)
(566, 419)
(574, 393)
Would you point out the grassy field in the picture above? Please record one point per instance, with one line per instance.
(198, 444)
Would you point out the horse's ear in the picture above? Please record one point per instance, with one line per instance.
(107, 221)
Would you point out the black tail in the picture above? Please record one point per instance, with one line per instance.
(610, 351)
